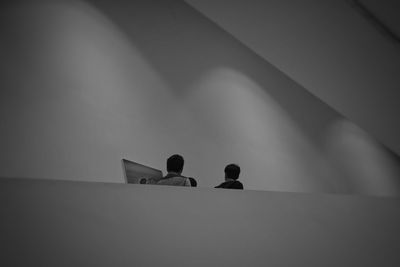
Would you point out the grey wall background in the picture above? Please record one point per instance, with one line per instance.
(90, 224)
(84, 84)
(330, 49)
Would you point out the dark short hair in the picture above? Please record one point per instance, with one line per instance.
(232, 171)
(175, 163)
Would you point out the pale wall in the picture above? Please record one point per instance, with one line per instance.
(86, 84)
(90, 224)
(327, 47)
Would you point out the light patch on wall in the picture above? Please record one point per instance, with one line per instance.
(368, 167)
(253, 130)
(82, 95)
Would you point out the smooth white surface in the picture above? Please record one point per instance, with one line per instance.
(85, 84)
(54, 223)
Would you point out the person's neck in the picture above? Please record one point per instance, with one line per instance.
(175, 173)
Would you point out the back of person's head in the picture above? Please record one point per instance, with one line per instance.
(232, 171)
(175, 163)
(193, 182)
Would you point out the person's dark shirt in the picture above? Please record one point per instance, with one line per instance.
(231, 185)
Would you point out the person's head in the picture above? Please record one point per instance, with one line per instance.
(175, 163)
(232, 171)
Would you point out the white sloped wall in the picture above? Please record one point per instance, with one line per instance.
(85, 84)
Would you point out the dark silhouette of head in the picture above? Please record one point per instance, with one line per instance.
(193, 182)
(143, 181)
(175, 163)
(232, 171)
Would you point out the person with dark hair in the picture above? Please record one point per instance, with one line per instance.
(232, 172)
(174, 168)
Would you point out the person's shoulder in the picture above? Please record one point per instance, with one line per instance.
(238, 185)
(220, 185)
(178, 180)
